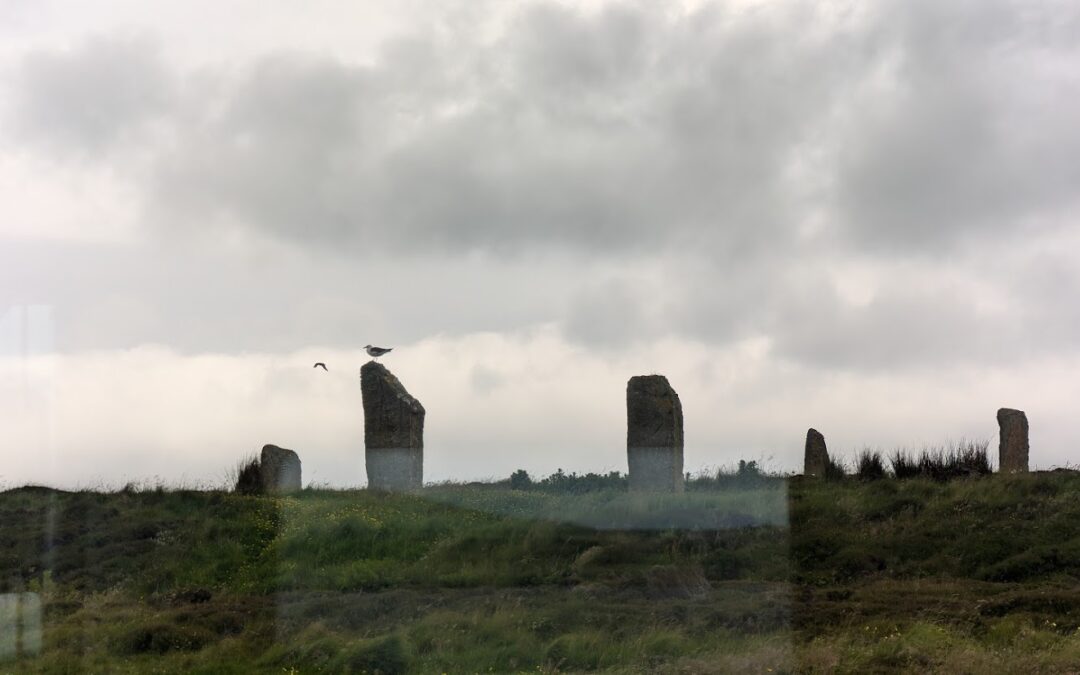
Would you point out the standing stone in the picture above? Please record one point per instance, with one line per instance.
(1013, 443)
(393, 431)
(654, 434)
(279, 469)
(816, 455)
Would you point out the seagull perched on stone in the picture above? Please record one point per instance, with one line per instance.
(320, 364)
(376, 352)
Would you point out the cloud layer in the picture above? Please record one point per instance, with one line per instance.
(859, 192)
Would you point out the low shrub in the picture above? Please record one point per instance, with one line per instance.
(973, 458)
(572, 483)
(835, 469)
(748, 472)
(870, 465)
(248, 478)
(903, 465)
(520, 480)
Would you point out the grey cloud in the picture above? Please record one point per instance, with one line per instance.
(488, 185)
(275, 154)
(720, 303)
(484, 380)
(918, 124)
(967, 133)
(91, 97)
(619, 131)
(1044, 288)
(917, 323)
(16, 16)
(266, 299)
(896, 329)
(918, 317)
(570, 62)
(615, 313)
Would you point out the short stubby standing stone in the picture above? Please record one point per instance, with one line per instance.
(1013, 443)
(654, 434)
(393, 431)
(816, 455)
(279, 469)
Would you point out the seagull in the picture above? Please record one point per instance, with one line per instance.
(376, 352)
(320, 364)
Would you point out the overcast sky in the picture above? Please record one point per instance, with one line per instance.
(861, 217)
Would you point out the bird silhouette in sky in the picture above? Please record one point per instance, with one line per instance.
(320, 364)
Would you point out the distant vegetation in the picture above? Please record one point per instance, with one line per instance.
(568, 483)
(965, 459)
(746, 474)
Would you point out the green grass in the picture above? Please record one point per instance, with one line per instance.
(794, 575)
(999, 528)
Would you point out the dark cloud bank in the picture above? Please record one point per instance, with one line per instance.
(708, 175)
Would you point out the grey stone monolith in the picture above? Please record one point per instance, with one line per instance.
(279, 469)
(393, 431)
(1013, 442)
(654, 434)
(816, 455)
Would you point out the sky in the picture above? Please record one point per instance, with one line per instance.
(857, 217)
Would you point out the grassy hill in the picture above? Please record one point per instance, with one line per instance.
(763, 575)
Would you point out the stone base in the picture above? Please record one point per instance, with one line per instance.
(395, 469)
(656, 469)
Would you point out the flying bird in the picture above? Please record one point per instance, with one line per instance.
(320, 364)
(376, 352)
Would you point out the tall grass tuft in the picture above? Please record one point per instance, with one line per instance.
(964, 459)
(248, 478)
(835, 469)
(870, 465)
(904, 466)
(973, 457)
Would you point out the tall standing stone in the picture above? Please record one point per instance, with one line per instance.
(279, 469)
(816, 455)
(654, 434)
(1013, 443)
(393, 431)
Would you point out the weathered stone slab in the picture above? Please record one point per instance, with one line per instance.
(393, 431)
(654, 434)
(279, 469)
(1013, 443)
(816, 455)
